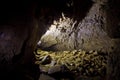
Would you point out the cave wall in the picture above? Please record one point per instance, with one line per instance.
(23, 23)
(97, 28)
(113, 19)
(19, 33)
(90, 33)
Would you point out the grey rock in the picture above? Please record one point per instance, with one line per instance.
(45, 77)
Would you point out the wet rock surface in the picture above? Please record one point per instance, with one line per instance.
(76, 62)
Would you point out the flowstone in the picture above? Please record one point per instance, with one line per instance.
(80, 62)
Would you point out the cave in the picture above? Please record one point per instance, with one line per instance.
(60, 40)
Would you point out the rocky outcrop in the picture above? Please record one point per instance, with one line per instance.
(88, 34)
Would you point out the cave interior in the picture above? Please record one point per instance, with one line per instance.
(60, 40)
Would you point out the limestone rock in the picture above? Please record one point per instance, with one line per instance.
(91, 63)
(88, 34)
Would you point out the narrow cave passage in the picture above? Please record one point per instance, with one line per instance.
(73, 51)
(60, 40)
(77, 46)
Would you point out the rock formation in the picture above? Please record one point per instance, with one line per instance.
(88, 34)
(86, 24)
(77, 62)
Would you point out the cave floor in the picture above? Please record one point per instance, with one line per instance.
(71, 65)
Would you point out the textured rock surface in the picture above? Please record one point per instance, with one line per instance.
(19, 29)
(89, 34)
(21, 25)
(90, 64)
(96, 31)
